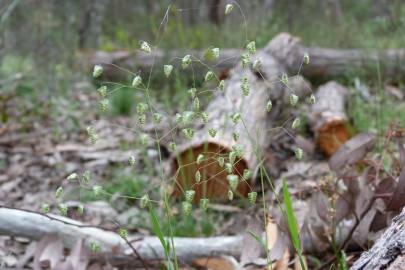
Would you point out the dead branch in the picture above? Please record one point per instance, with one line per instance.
(15, 222)
(388, 252)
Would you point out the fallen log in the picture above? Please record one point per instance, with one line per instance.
(327, 62)
(114, 249)
(389, 251)
(324, 62)
(137, 59)
(328, 119)
(251, 129)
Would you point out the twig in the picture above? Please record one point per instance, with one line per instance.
(138, 256)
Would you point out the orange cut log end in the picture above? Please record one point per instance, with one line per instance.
(332, 135)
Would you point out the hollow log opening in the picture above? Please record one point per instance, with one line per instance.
(213, 184)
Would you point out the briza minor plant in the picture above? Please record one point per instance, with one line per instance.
(185, 122)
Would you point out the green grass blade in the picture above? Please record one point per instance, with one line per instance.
(291, 220)
(343, 261)
(157, 230)
(258, 239)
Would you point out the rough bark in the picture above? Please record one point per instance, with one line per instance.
(326, 62)
(114, 249)
(328, 118)
(133, 60)
(389, 251)
(253, 128)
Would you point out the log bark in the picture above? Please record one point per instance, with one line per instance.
(328, 62)
(328, 118)
(252, 129)
(136, 59)
(389, 251)
(114, 249)
(324, 62)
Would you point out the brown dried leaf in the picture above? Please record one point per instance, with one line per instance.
(386, 186)
(271, 232)
(64, 266)
(282, 264)
(219, 263)
(352, 151)
(49, 252)
(252, 248)
(401, 150)
(297, 264)
(397, 202)
(362, 231)
(321, 206)
(78, 257)
(95, 266)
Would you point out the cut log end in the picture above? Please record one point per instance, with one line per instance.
(332, 135)
(213, 183)
(328, 117)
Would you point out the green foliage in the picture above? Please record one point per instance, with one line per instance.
(158, 231)
(292, 223)
(123, 101)
(376, 114)
(343, 261)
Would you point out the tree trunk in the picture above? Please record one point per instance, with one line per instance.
(389, 251)
(91, 28)
(217, 8)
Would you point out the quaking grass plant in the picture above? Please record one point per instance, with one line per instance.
(147, 113)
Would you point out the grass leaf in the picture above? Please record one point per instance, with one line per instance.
(157, 230)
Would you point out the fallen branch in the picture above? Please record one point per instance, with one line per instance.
(388, 252)
(114, 249)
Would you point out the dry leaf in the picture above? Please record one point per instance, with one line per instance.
(49, 252)
(252, 248)
(219, 263)
(397, 201)
(352, 151)
(271, 232)
(78, 256)
(282, 264)
(297, 264)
